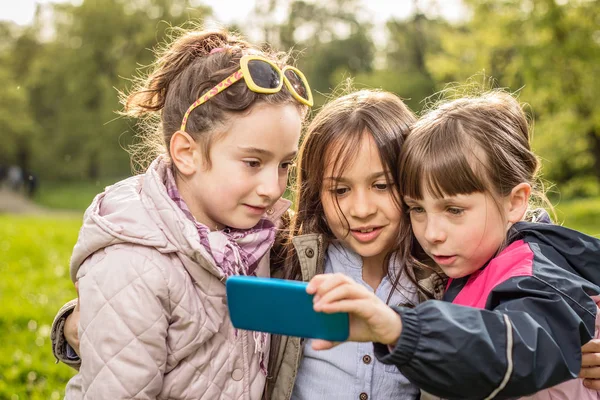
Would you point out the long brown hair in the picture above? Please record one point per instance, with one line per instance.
(334, 136)
(183, 71)
(472, 144)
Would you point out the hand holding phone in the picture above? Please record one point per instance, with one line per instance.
(282, 307)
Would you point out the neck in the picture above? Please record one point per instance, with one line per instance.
(373, 271)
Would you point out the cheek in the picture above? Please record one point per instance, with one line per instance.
(328, 207)
(283, 182)
(331, 211)
(394, 213)
(419, 227)
(494, 227)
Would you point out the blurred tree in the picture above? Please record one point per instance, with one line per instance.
(410, 43)
(72, 76)
(17, 127)
(551, 51)
(330, 38)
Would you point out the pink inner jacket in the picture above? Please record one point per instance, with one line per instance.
(517, 260)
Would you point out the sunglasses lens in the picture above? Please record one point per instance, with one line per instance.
(298, 84)
(263, 74)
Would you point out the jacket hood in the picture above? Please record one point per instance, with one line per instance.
(138, 210)
(580, 250)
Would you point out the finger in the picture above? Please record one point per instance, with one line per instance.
(320, 344)
(593, 384)
(315, 282)
(593, 346)
(329, 281)
(590, 373)
(590, 360)
(360, 307)
(344, 291)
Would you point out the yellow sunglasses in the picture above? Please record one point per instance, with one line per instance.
(261, 76)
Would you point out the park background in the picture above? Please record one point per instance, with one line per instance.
(60, 73)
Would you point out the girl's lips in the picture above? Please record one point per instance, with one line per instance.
(255, 210)
(444, 260)
(365, 237)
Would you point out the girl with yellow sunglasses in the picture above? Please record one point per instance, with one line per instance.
(155, 249)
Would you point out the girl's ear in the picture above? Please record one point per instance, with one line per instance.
(518, 202)
(184, 152)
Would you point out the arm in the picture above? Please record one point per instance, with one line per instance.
(125, 314)
(530, 341)
(528, 345)
(64, 327)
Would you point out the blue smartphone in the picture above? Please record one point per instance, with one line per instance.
(283, 307)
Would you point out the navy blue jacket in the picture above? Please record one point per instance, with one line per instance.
(511, 329)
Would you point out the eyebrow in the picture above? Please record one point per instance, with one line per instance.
(263, 152)
(444, 201)
(374, 175)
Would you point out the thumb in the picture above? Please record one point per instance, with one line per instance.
(320, 344)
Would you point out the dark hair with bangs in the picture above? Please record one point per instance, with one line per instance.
(473, 144)
(478, 144)
(443, 163)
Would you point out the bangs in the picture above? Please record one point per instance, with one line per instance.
(441, 160)
(341, 153)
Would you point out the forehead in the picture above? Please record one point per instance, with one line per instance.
(353, 155)
(272, 127)
(475, 200)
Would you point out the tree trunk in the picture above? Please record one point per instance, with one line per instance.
(23, 155)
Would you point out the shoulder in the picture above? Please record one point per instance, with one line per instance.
(128, 262)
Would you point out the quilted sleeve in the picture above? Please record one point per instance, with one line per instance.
(57, 336)
(125, 316)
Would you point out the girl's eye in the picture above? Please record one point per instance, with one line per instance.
(252, 163)
(287, 165)
(381, 186)
(340, 191)
(455, 210)
(416, 210)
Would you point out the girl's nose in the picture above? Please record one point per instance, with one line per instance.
(362, 205)
(271, 185)
(434, 231)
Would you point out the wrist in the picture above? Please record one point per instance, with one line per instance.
(395, 325)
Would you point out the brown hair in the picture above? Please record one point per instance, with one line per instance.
(183, 71)
(334, 136)
(472, 144)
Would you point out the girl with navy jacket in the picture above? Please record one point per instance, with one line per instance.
(521, 298)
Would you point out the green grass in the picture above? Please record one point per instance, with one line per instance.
(70, 195)
(582, 215)
(34, 265)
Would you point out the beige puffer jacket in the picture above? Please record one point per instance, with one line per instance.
(154, 319)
